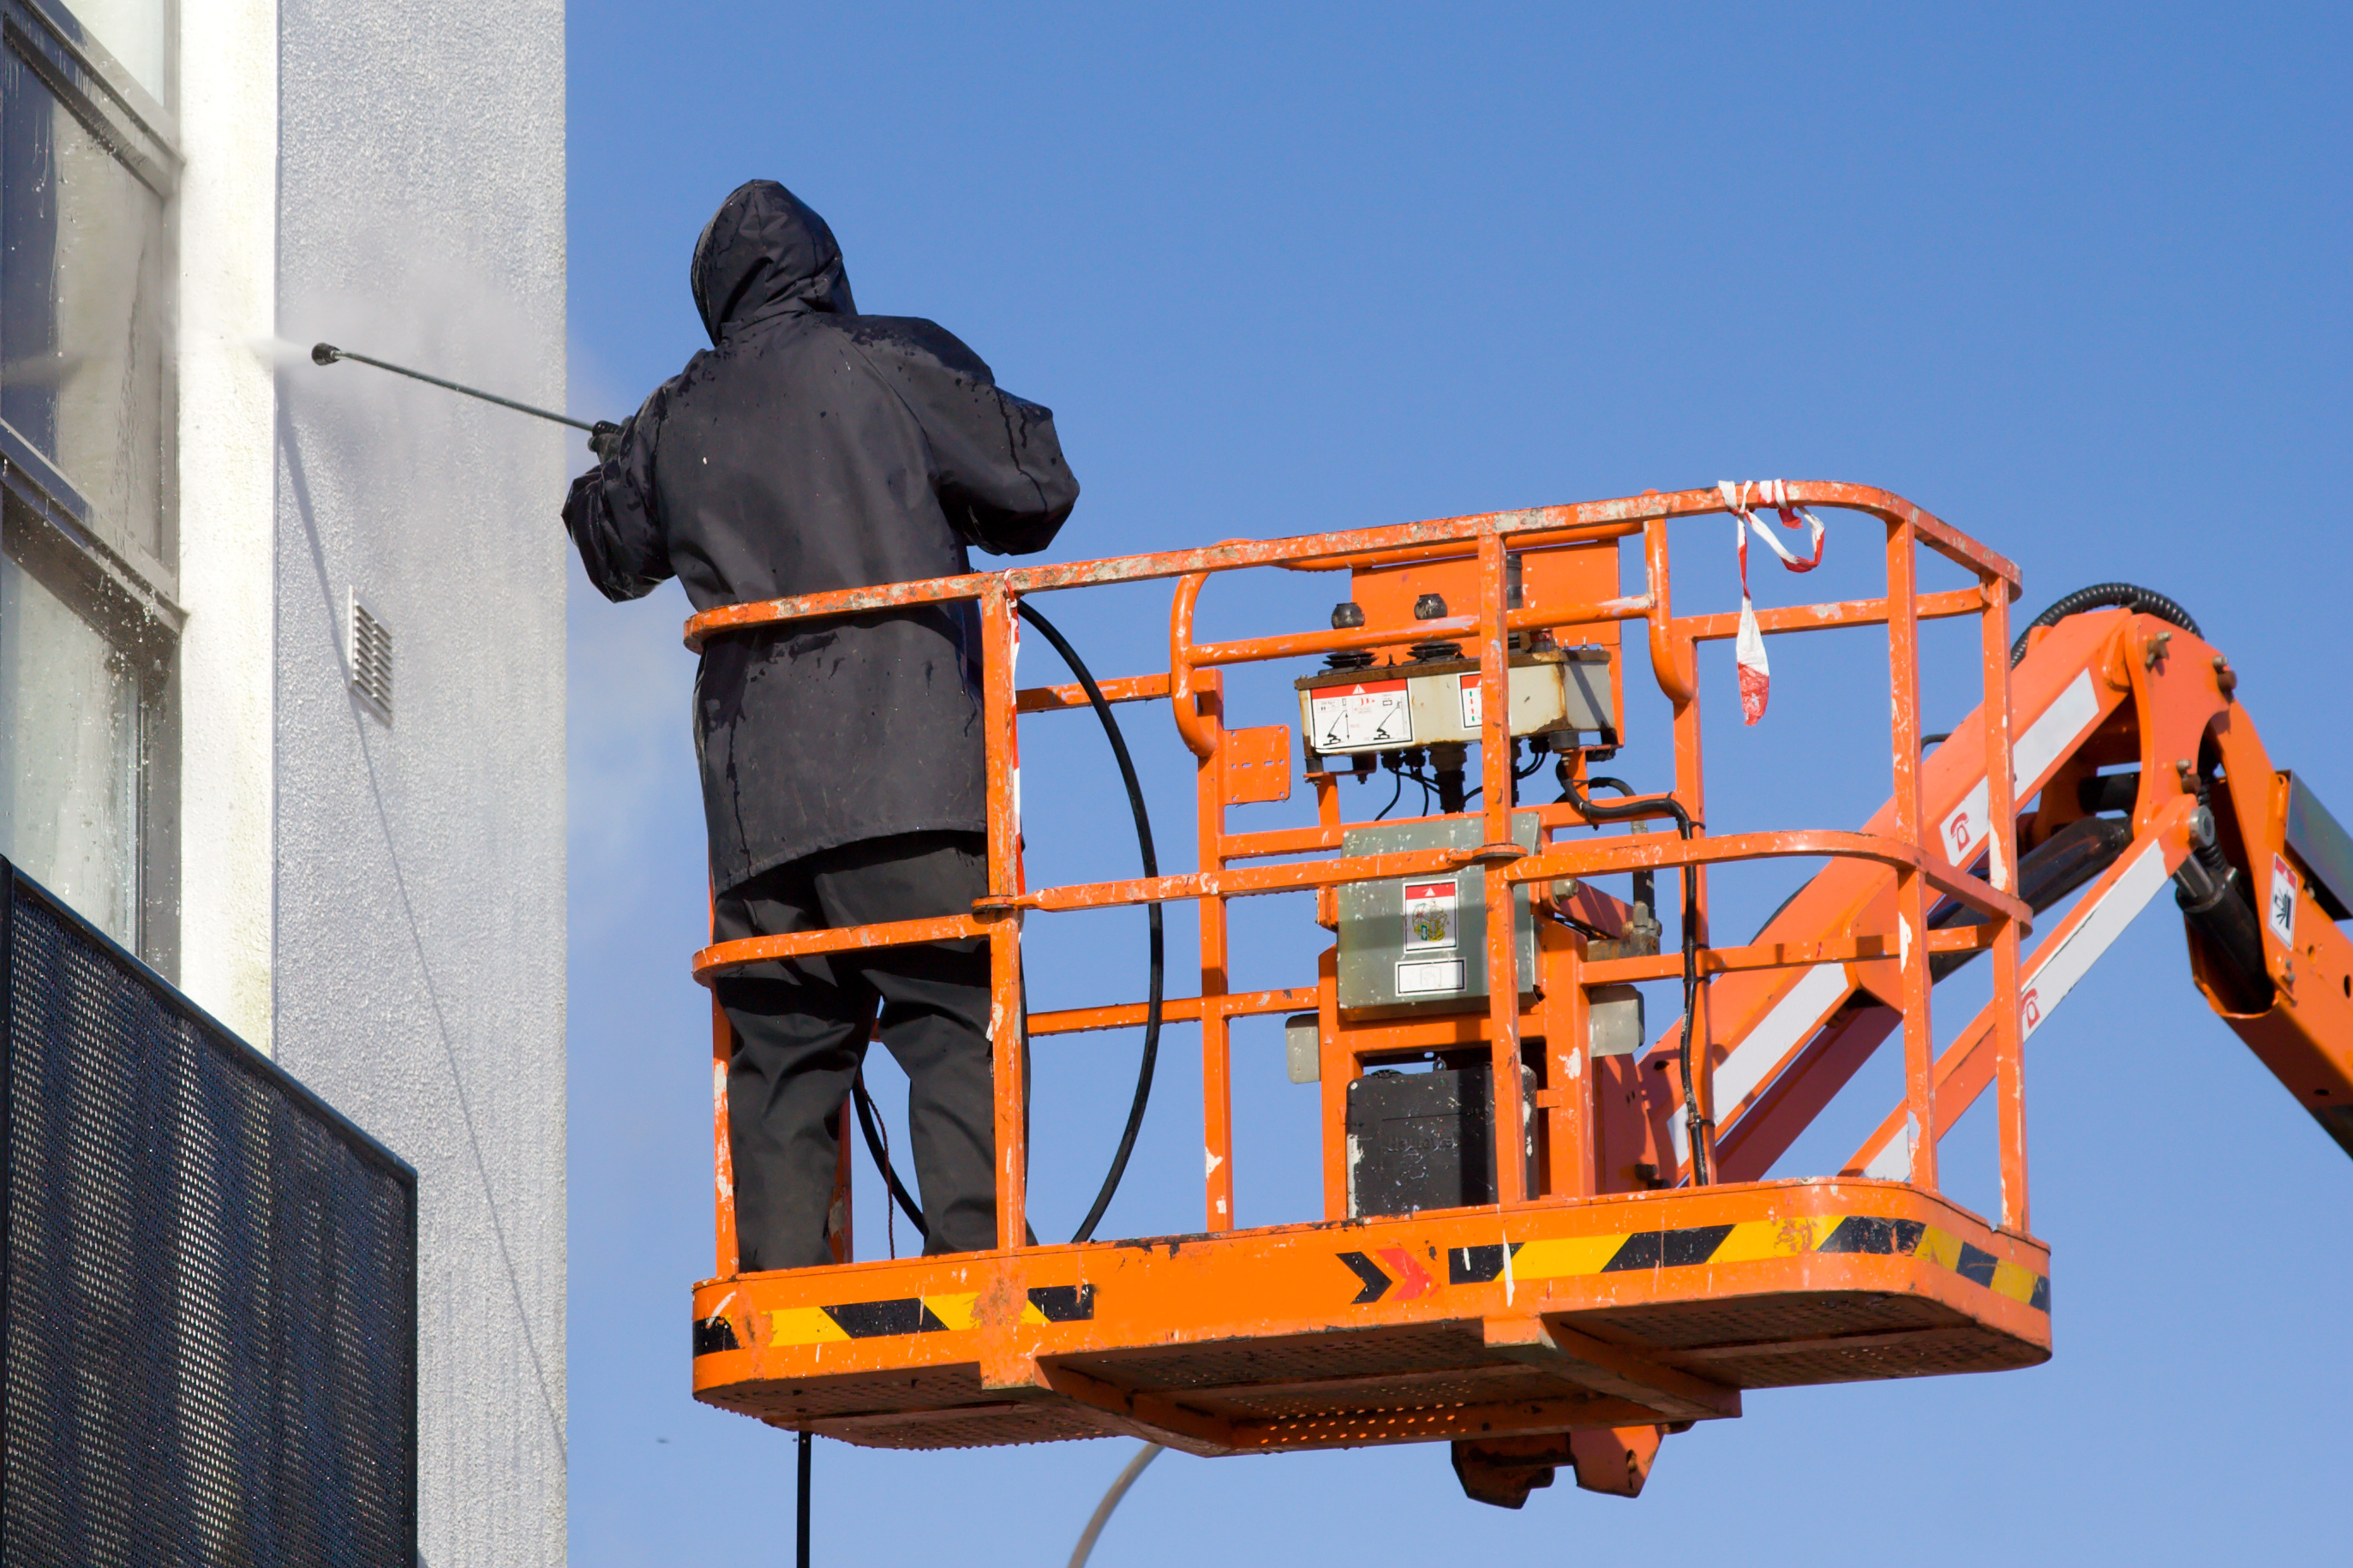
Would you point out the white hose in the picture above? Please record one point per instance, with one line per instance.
(1143, 1456)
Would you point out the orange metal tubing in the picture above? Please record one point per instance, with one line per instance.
(1600, 519)
(1174, 1010)
(1910, 902)
(2008, 1035)
(982, 1356)
(998, 631)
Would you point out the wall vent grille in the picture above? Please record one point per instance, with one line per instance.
(370, 658)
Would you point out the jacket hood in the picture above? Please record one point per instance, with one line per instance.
(765, 253)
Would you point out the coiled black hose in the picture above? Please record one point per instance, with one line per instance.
(1695, 1124)
(2107, 596)
(1158, 953)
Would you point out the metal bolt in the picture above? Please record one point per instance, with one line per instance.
(2156, 653)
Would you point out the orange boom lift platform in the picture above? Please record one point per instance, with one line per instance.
(1631, 1273)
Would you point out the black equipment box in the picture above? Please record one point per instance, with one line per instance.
(1427, 1140)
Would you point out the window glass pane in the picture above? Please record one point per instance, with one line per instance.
(68, 755)
(82, 275)
(132, 31)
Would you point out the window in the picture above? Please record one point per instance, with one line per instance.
(88, 618)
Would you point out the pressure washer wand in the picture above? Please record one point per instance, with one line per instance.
(328, 353)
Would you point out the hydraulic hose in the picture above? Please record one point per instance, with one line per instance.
(2106, 596)
(1157, 956)
(2046, 874)
(1695, 1124)
(2214, 899)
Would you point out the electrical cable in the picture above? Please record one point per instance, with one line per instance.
(1147, 1068)
(1695, 1124)
(1395, 794)
(2106, 596)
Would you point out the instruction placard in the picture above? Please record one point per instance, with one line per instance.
(1374, 713)
(1429, 977)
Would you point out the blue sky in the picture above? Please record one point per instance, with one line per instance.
(2075, 279)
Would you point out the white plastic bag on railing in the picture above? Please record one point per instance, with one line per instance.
(1749, 647)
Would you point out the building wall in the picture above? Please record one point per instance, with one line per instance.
(418, 926)
(228, 295)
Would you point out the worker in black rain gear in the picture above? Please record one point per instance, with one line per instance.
(810, 448)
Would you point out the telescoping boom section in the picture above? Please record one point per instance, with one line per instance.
(1546, 1234)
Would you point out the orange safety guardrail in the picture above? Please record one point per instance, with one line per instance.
(1478, 549)
(1640, 1272)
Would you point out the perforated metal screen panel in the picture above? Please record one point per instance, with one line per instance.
(210, 1278)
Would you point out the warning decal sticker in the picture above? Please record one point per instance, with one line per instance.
(1430, 915)
(2280, 910)
(1372, 714)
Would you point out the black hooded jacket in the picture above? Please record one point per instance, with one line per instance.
(810, 448)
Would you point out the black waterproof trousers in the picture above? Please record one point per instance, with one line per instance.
(801, 1029)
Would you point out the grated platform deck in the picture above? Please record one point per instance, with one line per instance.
(1631, 1309)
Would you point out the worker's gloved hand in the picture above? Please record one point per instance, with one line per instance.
(605, 440)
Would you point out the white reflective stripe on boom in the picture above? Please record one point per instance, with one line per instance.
(2054, 971)
(2081, 948)
(2045, 740)
(1792, 1019)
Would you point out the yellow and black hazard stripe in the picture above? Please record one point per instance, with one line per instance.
(1689, 1247)
(939, 1314)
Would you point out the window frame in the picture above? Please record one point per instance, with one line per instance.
(130, 594)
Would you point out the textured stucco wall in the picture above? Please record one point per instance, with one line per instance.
(419, 919)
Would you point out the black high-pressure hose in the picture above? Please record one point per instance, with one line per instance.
(1695, 1124)
(881, 1156)
(2106, 596)
(1157, 941)
(1151, 914)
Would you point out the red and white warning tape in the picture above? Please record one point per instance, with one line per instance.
(1748, 649)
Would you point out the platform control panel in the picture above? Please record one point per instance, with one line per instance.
(1436, 701)
(1419, 944)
